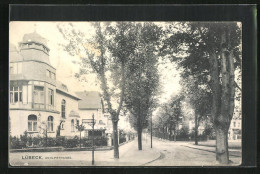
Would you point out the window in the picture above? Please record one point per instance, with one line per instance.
(38, 94)
(51, 97)
(63, 108)
(50, 123)
(72, 126)
(32, 123)
(50, 74)
(16, 94)
(77, 122)
(234, 124)
(238, 124)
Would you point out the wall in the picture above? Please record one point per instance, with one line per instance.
(18, 122)
(32, 70)
(71, 104)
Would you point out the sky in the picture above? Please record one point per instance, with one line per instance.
(62, 61)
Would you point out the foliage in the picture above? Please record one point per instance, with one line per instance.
(15, 143)
(170, 113)
(98, 141)
(184, 132)
(73, 142)
(107, 52)
(210, 53)
(24, 139)
(60, 140)
(142, 74)
(122, 140)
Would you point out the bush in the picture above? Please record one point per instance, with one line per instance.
(70, 143)
(60, 141)
(184, 132)
(86, 142)
(98, 141)
(51, 142)
(122, 140)
(15, 143)
(101, 141)
(37, 141)
(24, 139)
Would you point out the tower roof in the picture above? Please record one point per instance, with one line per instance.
(34, 37)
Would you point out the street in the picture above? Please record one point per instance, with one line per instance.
(179, 154)
(163, 153)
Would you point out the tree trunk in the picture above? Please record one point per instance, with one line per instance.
(115, 140)
(222, 121)
(139, 132)
(58, 132)
(196, 129)
(80, 140)
(175, 134)
(222, 155)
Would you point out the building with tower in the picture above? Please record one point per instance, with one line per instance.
(38, 102)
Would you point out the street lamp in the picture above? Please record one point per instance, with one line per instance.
(92, 123)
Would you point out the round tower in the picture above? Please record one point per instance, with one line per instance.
(34, 47)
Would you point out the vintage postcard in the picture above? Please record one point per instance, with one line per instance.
(125, 93)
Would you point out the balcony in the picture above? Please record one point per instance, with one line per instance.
(32, 106)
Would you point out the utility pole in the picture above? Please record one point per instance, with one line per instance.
(151, 132)
(92, 123)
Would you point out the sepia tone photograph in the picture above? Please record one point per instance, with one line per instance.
(125, 93)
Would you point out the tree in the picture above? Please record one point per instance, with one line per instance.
(212, 51)
(177, 112)
(170, 115)
(142, 77)
(80, 129)
(59, 128)
(200, 99)
(117, 39)
(43, 129)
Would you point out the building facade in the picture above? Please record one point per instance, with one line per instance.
(235, 129)
(38, 102)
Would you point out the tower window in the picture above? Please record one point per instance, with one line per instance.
(51, 97)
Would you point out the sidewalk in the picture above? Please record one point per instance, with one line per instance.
(129, 155)
(207, 146)
(232, 152)
(232, 144)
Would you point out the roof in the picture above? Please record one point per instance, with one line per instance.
(89, 100)
(34, 37)
(62, 88)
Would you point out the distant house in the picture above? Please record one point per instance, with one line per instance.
(235, 129)
(91, 104)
